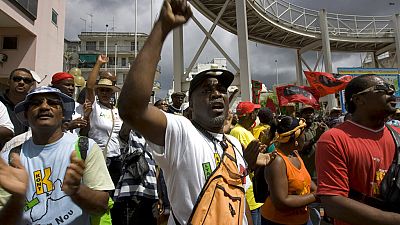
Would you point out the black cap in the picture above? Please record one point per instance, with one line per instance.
(224, 77)
(178, 94)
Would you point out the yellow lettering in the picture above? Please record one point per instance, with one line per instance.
(46, 181)
(39, 181)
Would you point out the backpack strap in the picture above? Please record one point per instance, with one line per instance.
(16, 149)
(396, 138)
(175, 219)
(81, 147)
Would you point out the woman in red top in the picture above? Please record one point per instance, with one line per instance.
(289, 182)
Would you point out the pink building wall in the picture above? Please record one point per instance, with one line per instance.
(40, 42)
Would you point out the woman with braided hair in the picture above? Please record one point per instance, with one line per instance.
(290, 185)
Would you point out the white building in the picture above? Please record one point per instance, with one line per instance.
(121, 51)
(31, 36)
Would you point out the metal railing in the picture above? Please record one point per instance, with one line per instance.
(338, 24)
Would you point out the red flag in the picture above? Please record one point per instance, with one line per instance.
(293, 93)
(271, 105)
(327, 83)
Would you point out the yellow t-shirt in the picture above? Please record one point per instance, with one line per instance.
(257, 129)
(245, 137)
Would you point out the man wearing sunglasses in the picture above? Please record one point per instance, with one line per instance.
(58, 185)
(21, 82)
(353, 157)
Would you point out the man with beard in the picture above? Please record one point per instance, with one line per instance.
(187, 151)
(21, 81)
(353, 157)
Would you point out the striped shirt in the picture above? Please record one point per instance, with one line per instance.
(127, 186)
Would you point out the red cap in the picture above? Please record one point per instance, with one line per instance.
(246, 108)
(61, 76)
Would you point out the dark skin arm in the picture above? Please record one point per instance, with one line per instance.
(356, 213)
(135, 94)
(5, 135)
(254, 156)
(13, 179)
(248, 213)
(278, 185)
(92, 201)
(91, 81)
(87, 110)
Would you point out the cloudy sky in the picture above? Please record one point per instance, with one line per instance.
(262, 57)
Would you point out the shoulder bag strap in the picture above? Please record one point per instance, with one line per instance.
(175, 219)
(396, 138)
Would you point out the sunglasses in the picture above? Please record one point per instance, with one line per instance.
(387, 88)
(52, 102)
(25, 79)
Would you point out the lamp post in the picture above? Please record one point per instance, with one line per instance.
(85, 23)
(277, 72)
(115, 59)
(135, 29)
(106, 43)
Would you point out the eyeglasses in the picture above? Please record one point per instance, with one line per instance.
(385, 87)
(52, 102)
(25, 79)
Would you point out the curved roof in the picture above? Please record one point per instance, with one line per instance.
(283, 24)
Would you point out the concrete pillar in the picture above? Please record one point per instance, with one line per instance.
(177, 49)
(396, 26)
(244, 64)
(299, 69)
(326, 49)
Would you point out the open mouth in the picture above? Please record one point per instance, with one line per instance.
(44, 116)
(217, 106)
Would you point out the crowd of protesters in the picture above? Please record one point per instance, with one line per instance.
(97, 161)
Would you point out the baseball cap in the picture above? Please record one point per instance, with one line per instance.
(178, 94)
(224, 77)
(68, 103)
(246, 107)
(61, 76)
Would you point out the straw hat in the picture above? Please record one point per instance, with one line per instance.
(107, 83)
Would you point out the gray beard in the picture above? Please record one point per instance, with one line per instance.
(218, 121)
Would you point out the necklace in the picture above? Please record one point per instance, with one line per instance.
(214, 140)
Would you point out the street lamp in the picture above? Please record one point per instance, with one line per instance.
(106, 43)
(85, 23)
(277, 72)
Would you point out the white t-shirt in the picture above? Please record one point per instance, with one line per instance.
(46, 165)
(101, 127)
(187, 151)
(5, 118)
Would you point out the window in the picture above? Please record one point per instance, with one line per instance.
(123, 61)
(111, 61)
(90, 46)
(132, 46)
(10, 42)
(54, 17)
(28, 7)
(101, 46)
